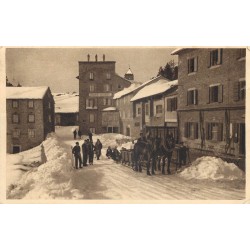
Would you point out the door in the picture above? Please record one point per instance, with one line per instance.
(127, 131)
(16, 149)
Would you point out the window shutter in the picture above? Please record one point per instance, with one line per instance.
(236, 91)
(186, 130)
(188, 98)
(208, 94)
(196, 96)
(220, 132)
(208, 127)
(196, 130)
(220, 94)
(188, 65)
(151, 108)
(134, 110)
(220, 56)
(176, 103)
(196, 64)
(169, 108)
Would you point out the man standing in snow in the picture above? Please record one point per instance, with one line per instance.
(76, 151)
(168, 151)
(91, 152)
(74, 133)
(90, 135)
(84, 153)
(98, 149)
(79, 134)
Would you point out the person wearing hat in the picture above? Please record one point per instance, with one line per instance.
(84, 153)
(76, 151)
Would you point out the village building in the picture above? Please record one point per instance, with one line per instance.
(211, 100)
(123, 103)
(155, 108)
(98, 82)
(66, 109)
(30, 117)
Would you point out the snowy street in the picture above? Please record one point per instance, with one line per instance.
(56, 179)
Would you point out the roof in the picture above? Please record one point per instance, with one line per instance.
(66, 103)
(26, 92)
(110, 109)
(159, 87)
(128, 91)
(129, 72)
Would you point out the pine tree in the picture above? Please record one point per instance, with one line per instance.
(8, 84)
(19, 85)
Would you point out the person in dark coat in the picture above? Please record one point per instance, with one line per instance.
(84, 153)
(98, 149)
(90, 135)
(74, 133)
(76, 151)
(168, 151)
(109, 152)
(91, 149)
(79, 134)
(116, 154)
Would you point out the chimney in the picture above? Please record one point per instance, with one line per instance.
(96, 58)
(103, 57)
(88, 56)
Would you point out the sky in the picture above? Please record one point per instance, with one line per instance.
(58, 67)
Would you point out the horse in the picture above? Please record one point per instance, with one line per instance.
(142, 152)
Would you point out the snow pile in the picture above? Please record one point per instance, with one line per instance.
(111, 139)
(51, 180)
(207, 167)
(127, 145)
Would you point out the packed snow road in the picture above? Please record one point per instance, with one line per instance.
(109, 180)
(55, 178)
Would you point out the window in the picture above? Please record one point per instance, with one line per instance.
(215, 93)
(191, 130)
(30, 104)
(49, 105)
(192, 97)
(214, 131)
(147, 109)
(91, 88)
(31, 133)
(31, 118)
(106, 87)
(14, 104)
(16, 133)
(107, 101)
(91, 118)
(158, 109)
(91, 103)
(108, 76)
(240, 90)
(119, 86)
(192, 65)
(15, 118)
(91, 76)
(215, 57)
(172, 104)
(242, 53)
(49, 118)
(138, 110)
(92, 130)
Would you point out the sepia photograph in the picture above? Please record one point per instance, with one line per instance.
(125, 124)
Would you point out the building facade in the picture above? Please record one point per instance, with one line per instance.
(211, 99)
(98, 82)
(155, 108)
(30, 117)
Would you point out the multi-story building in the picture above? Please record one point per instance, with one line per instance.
(123, 103)
(98, 82)
(211, 99)
(30, 117)
(154, 107)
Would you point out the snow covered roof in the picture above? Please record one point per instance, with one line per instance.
(156, 88)
(26, 92)
(176, 51)
(129, 72)
(110, 109)
(66, 103)
(127, 90)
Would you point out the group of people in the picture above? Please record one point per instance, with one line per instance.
(79, 134)
(113, 153)
(84, 155)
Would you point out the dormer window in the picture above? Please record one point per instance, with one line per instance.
(91, 76)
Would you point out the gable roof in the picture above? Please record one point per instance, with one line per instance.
(159, 87)
(129, 72)
(26, 92)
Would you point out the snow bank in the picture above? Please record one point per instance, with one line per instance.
(212, 168)
(51, 180)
